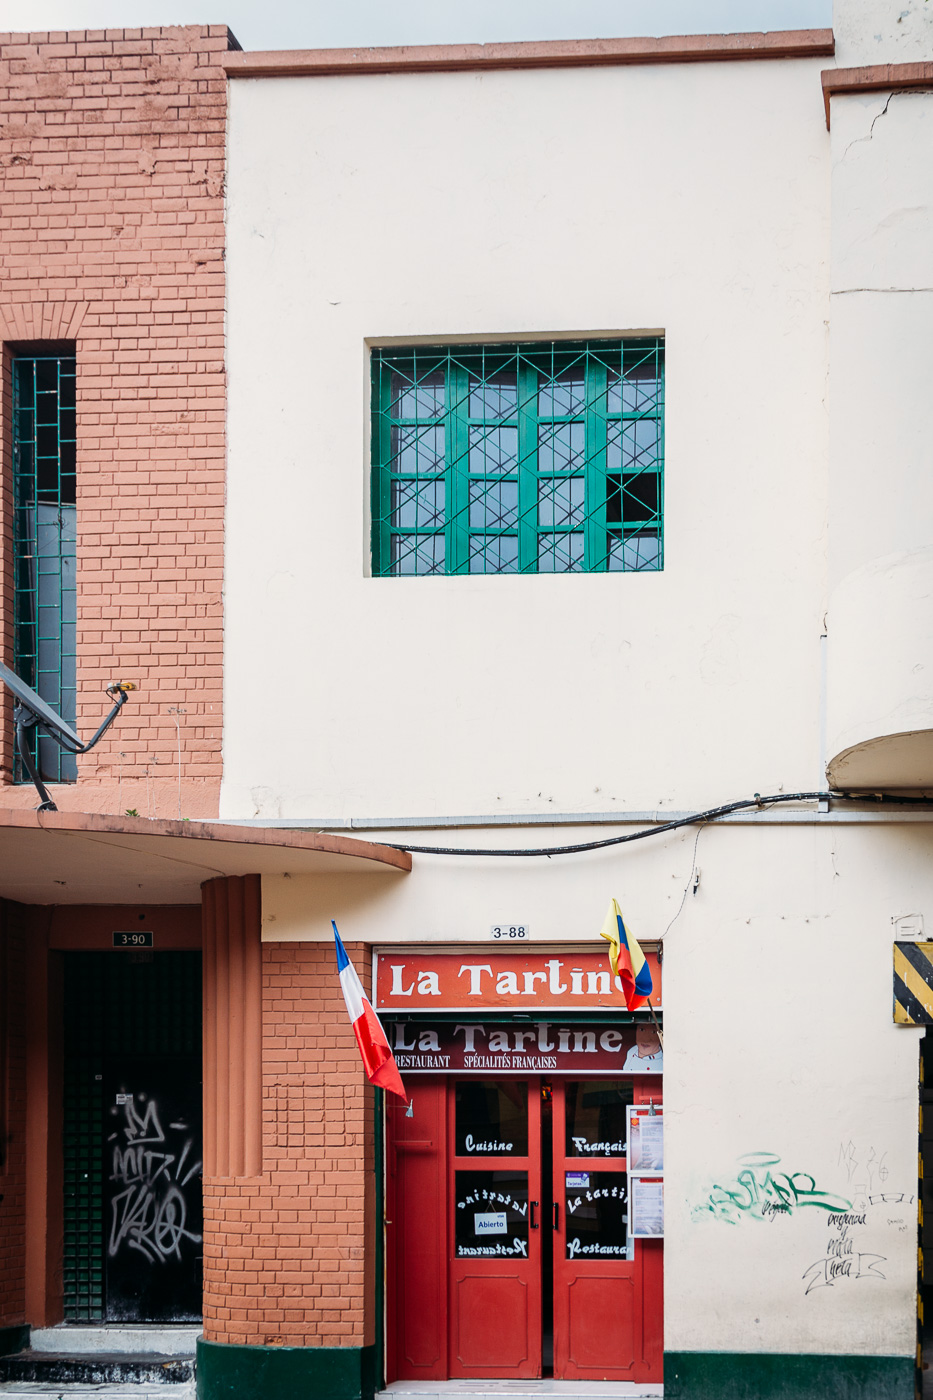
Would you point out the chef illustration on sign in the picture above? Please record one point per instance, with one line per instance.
(646, 1055)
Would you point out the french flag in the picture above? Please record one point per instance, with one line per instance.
(378, 1060)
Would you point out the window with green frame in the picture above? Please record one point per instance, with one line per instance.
(44, 542)
(532, 458)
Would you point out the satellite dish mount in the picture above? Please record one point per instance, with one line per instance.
(31, 711)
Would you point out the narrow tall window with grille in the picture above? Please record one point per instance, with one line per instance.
(44, 542)
(534, 458)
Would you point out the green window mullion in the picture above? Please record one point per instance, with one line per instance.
(382, 478)
(660, 361)
(457, 475)
(527, 467)
(595, 548)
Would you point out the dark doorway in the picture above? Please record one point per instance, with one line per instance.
(132, 1137)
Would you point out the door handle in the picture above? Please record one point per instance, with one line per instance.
(531, 1216)
(556, 1215)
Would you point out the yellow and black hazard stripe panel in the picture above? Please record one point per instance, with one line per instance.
(913, 984)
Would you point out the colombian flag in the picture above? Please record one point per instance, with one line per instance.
(378, 1060)
(626, 959)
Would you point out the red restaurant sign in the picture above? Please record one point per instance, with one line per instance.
(425, 982)
(524, 1047)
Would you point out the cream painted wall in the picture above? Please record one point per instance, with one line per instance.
(881, 676)
(690, 199)
(879, 31)
(880, 618)
(779, 1041)
(778, 1038)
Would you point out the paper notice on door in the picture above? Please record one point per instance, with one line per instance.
(646, 1207)
(490, 1222)
(646, 1143)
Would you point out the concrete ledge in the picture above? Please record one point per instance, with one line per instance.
(229, 1372)
(537, 53)
(879, 77)
(731, 1375)
(136, 1340)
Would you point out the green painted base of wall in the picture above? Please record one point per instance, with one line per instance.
(227, 1372)
(731, 1375)
(13, 1339)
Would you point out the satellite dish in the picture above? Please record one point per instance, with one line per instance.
(44, 713)
(31, 709)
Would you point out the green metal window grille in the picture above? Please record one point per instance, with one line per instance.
(45, 599)
(536, 458)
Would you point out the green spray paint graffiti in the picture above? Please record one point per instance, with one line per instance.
(758, 1191)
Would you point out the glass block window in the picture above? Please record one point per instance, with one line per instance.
(44, 546)
(537, 458)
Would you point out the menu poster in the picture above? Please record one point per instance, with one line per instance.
(646, 1208)
(645, 1141)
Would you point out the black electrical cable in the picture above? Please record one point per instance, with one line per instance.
(710, 815)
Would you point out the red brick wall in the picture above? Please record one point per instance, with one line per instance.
(12, 1116)
(111, 237)
(288, 1254)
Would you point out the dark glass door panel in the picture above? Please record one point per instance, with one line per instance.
(152, 1191)
(595, 1117)
(596, 1214)
(491, 1214)
(491, 1119)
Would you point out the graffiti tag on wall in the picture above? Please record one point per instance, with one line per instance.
(761, 1190)
(841, 1259)
(150, 1213)
(866, 1172)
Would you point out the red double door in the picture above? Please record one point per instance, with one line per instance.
(508, 1254)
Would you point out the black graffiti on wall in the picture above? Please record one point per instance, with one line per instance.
(152, 1166)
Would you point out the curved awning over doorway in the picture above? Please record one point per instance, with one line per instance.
(94, 858)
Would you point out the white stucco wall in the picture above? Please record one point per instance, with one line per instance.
(880, 617)
(882, 31)
(690, 200)
(779, 1040)
(516, 204)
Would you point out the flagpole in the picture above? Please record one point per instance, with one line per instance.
(654, 1017)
